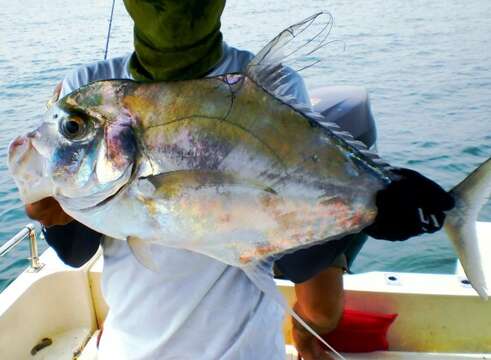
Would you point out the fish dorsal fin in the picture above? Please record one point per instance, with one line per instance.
(293, 49)
(290, 50)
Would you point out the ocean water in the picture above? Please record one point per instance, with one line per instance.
(426, 65)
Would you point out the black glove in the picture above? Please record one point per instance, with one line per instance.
(411, 205)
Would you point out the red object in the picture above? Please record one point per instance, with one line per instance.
(360, 331)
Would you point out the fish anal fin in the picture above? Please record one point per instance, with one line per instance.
(142, 252)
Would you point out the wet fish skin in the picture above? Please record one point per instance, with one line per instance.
(237, 174)
(221, 166)
(261, 152)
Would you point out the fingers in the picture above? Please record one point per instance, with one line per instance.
(307, 346)
(443, 199)
(48, 212)
(38, 209)
(430, 222)
(430, 193)
(410, 205)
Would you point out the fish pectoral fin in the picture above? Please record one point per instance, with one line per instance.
(142, 252)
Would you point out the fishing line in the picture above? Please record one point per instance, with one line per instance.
(263, 282)
(313, 332)
(109, 30)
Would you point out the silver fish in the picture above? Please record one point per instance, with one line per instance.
(223, 166)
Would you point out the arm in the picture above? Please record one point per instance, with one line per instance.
(320, 303)
(319, 286)
(318, 274)
(74, 243)
(410, 206)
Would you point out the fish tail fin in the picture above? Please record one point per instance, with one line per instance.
(460, 224)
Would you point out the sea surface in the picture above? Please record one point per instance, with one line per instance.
(426, 65)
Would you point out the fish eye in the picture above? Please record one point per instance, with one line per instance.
(73, 127)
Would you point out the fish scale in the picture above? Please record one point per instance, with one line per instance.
(223, 166)
(227, 158)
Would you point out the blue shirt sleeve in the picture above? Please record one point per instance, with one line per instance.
(303, 264)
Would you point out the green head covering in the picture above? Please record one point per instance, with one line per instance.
(175, 39)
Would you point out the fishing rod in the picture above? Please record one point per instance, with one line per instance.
(109, 30)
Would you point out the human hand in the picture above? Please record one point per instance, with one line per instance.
(411, 205)
(308, 347)
(48, 212)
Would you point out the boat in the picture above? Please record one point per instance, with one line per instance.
(53, 311)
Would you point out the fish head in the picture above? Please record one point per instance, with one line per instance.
(83, 152)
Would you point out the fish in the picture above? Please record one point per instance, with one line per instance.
(224, 166)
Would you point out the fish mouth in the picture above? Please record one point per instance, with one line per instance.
(17, 148)
(27, 166)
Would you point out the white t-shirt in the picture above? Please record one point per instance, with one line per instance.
(197, 307)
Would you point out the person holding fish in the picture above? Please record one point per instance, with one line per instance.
(167, 301)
